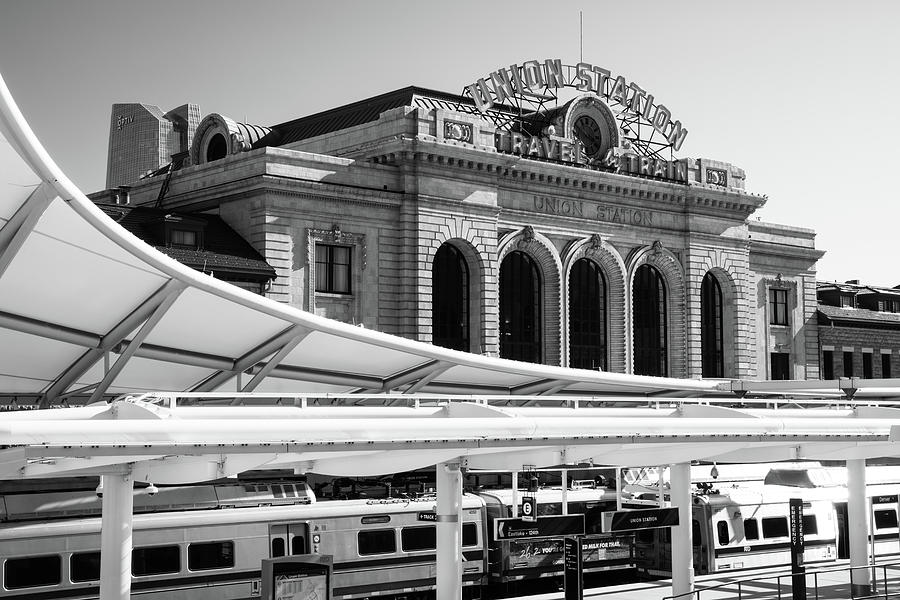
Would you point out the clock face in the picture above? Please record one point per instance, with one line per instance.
(588, 132)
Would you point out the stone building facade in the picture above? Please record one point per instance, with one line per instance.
(417, 214)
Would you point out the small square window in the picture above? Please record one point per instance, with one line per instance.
(184, 237)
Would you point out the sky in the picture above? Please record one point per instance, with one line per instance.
(800, 94)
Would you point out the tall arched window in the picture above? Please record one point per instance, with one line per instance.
(587, 316)
(711, 327)
(649, 317)
(520, 308)
(217, 148)
(450, 299)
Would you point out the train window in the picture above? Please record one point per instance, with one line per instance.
(277, 547)
(298, 544)
(210, 555)
(418, 538)
(774, 527)
(810, 525)
(695, 533)
(751, 529)
(33, 571)
(469, 534)
(553, 508)
(722, 533)
(885, 519)
(84, 566)
(377, 541)
(155, 560)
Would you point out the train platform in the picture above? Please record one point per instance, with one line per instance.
(830, 583)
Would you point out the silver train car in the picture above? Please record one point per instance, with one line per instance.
(747, 526)
(206, 542)
(380, 548)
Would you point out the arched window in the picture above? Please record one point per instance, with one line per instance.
(217, 148)
(649, 311)
(450, 299)
(711, 327)
(520, 308)
(587, 316)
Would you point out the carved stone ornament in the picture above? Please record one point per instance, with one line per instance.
(461, 132)
(594, 245)
(717, 177)
(657, 248)
(527, 237)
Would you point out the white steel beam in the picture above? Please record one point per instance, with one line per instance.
(682, 550)
(449, 531)
(115, 537)
(860, 580)
(22, 223)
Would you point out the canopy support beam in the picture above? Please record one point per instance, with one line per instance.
(115, 336)
(251, 358)
(682, 551)
(115, 536)
(860, 581)
(158, 312)
(23, 222)
(449, 531)
(274, 362)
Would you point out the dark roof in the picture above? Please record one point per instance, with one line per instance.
(858, 315)
(223, 249)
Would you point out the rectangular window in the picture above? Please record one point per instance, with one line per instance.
(848, 364)
(413, 539)
(33, 571)
(885, 519)
(210, 555)
(781, 365)
(751, 529)
(332, 269)
(810, 525)
(184, 237)
(774, 527)
(846, 301)
(722, 532)
(377, 541)
(84, 566)
(156, 560)
(827, 364)
(469, 534)
(886, 366)
(778, 306)
(867, 365)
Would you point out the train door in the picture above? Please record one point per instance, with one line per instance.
(290, 538)
(701, 538)
(843, 531)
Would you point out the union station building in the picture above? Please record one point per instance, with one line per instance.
(542, 214)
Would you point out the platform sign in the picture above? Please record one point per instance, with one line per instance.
(643, 518)
(529, 509)
(298, 577)
(427, 516)
(555, 526)
(572, 569)
(798, 571)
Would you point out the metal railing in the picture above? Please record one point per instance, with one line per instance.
(826, 584)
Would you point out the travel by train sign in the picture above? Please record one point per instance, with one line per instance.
(644, 518)
(533, 81)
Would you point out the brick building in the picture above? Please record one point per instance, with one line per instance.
(859, 330)
(559, 235)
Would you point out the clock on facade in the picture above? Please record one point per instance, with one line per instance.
(588, 132)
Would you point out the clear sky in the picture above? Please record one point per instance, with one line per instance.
(801, 94)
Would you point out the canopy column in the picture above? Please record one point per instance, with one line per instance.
(860, 579)
(449, 531)
(682, 550)
(115, 536)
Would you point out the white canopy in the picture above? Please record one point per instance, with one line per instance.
(88, 311)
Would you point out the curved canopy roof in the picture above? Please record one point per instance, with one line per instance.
(87, 311)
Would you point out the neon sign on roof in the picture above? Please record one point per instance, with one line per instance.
(531, 81)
